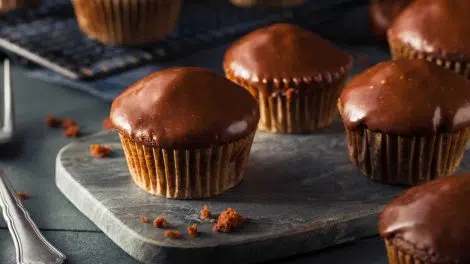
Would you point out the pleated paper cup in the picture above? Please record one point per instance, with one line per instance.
(299, 106)
(187, 173)
(8, 5)
(404, 160)
(400, 50)
(127, 22)
(397, 256)
(271, 3)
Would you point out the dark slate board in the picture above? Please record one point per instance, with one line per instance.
(300, 194)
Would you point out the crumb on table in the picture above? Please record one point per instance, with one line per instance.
(205, 213)
(107, 124)
(72, 131)
(66, 123)
(52, 121)
(172, 234)
(23, 195)
(100, 151)
(160, 222)
(144, 219)
(192, 230)
(228, 221)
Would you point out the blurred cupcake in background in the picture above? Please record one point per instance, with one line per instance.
(382, 13)
(124, 22)
(8, 5)
(267, 3)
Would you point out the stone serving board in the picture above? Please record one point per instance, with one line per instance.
(300, 194)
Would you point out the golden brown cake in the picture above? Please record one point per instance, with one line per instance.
(186, 132)
(127, 22)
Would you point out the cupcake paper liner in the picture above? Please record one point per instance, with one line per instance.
(403, 51)
(127, 22)
(298, 106)
(8, 5)
(187, 173)
(406, 160)
(396, 256)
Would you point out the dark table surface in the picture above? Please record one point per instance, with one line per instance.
(29, 162)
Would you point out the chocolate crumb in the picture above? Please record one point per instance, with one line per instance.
(192, 230)
(52, 121)
(144, 219)
(160, 222)
(23, 195)
(100, 151)
(228, 221)
(66, 123)
(205, 213)
(172, 234)
(72, 131)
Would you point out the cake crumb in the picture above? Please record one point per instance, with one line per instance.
(100, 151)
(192, 230)
(205, 213)
(23, 195)
(72, 131)
(144, 219)
(52, 121)
(172, 234)
(66, 123)
(107, 124)
(160, 222)
(228, 221)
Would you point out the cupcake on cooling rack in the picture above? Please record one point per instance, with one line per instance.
(407, 121)
(8, 5)
(428, 224)
(295, 75)
(186, 132)
(267, 3)
(435, 30)
(127, 22)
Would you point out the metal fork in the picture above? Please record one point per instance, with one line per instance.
(31, 246)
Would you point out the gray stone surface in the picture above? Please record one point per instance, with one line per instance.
(300, 193)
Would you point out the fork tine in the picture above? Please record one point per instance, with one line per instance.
(7, 98)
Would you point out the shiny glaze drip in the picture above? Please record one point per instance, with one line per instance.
(284, 51)
(407, 97)
(432, 220)
(436, 27)
(185, 108)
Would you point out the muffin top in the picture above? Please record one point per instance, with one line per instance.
(430, 221)
(435, 27)
(284, 51)
(406, 97)
(382, 13)
(185, 108)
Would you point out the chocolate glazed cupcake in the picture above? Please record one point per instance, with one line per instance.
(186, 132)
(435, 30)
(407, 121)
(295, 75)
(127, 22)
(428, 224)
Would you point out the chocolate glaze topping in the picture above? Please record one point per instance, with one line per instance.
(406, 97)
(382, 13)
(185, 108)
(431, 221)
(436, 27)
(284, 51)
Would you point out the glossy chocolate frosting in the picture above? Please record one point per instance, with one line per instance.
(431, 221)
(382, 13)
(406, 97)
(436, 27)
(284, 51)
(185, 108)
